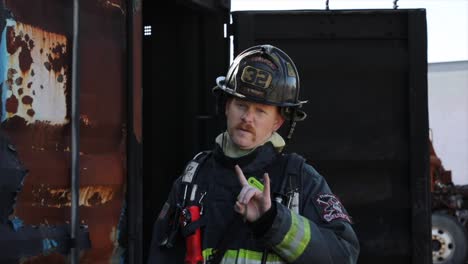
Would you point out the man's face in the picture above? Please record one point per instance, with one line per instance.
(250, 124)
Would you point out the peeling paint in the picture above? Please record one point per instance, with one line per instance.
(43, 73)
(90, 196)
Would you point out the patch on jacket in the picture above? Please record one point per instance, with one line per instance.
(331, 208)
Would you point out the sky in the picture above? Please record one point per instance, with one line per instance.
(447, 20)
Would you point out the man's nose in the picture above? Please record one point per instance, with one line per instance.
(248, 116)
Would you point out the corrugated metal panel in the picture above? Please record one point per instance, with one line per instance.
(35, 59)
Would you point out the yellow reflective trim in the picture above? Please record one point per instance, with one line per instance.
(296, 239)
(244, 254)
(207, 252)
(290, 235)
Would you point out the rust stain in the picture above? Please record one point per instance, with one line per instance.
(27, 100)
(30, 112)
(11, 44)
(19, 81)
(90, 196)
(25, 59)
(47, 87)
(16, 41)
(57, 57)
(47, 65)
(12, 104)
(10, 74)
(31, 43)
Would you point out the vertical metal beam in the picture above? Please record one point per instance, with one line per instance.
(134, 203)
(75, 138)
(419, 144)
(131, 196)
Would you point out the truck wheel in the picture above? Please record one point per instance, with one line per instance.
(449, 240)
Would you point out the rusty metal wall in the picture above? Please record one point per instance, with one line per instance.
(35, 77)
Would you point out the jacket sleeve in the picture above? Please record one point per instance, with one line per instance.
(322, 234)
(159, 252)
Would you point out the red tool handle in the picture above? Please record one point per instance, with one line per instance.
(193, 242)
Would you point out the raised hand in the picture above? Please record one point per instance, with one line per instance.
(251, 202)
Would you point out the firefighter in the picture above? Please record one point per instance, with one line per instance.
(257, 204)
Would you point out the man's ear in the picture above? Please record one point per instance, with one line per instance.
(278, 123)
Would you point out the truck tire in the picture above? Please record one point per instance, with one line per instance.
(449, 240)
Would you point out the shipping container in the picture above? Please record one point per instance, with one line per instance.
(364, 73)
(38, 65)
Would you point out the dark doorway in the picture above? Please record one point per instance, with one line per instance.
(183, 56)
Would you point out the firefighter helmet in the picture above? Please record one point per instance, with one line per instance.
(267, 75)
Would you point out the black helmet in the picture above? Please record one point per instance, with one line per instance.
(264, 74)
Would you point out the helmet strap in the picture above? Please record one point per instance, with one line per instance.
(292, 125)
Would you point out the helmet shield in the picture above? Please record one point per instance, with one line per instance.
(263, 74)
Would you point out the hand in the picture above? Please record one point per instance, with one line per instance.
(251, 202)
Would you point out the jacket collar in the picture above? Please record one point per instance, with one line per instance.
(231, 150)
(254, 161)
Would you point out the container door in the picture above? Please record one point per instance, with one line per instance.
(364, 73)
(182, 57)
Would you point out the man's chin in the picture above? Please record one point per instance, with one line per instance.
(244, 147)
(242, 144)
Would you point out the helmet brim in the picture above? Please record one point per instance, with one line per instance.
(296, 114)
(222, 87)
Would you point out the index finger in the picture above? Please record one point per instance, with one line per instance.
(241, 176)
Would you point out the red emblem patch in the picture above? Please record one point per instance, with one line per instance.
(331, 208)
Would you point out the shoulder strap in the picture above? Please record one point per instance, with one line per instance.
(294, 170)
(192, 167)
(292, 182)
(191, 171)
